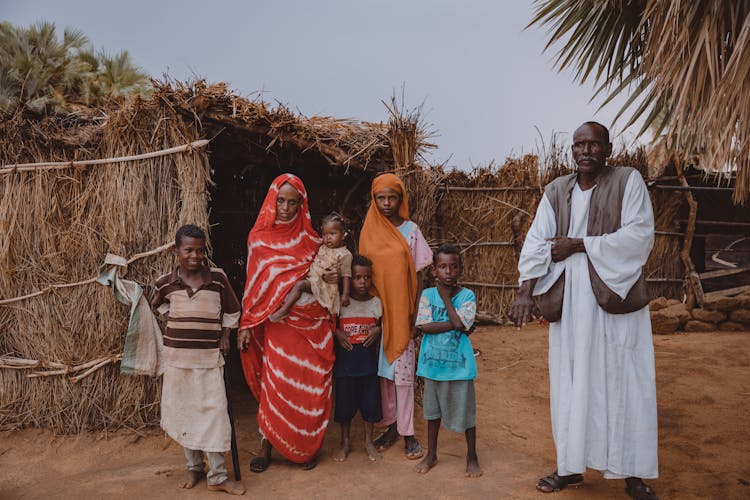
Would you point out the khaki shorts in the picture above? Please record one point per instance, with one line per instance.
(453, 401)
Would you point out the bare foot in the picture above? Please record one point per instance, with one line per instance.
(342, 452)
(372, 453)
(472, 467)
(427, 463)
(228, 486)
(190, 479)
(278, 315)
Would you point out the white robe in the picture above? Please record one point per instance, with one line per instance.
(601, 365)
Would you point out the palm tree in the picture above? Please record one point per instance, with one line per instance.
(684, 64)
(38, 71)
(118, 75)
(43, 74)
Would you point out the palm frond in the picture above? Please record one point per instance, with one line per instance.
(683, 64)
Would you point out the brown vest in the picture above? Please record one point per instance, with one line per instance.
(604, 218)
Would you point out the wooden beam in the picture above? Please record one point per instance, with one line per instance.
(58, 165)
(662, 187)
(489, 285)
(719, 223)
(490, 188)
(729, 292)
(669, 233)
(486, 317)
(487, 244)
(723, 272)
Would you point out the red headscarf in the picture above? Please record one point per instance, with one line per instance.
(278, 254)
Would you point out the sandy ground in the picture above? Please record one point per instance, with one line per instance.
(703, 382)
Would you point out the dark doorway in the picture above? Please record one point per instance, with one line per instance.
(242, 169)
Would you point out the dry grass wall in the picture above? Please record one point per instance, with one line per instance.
(57, 227)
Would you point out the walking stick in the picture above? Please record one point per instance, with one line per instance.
(235, 454)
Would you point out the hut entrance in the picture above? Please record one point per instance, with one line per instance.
(242, 169)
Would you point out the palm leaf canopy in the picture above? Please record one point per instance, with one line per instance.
(43, 74)
(684, 64)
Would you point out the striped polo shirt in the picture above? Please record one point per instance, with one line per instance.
(195, 317)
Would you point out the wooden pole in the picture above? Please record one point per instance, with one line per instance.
(692, 282)
(57, 165)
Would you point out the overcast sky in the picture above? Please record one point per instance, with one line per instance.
(484, 80)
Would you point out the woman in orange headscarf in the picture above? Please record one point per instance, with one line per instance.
(399, 253)
(288, 365)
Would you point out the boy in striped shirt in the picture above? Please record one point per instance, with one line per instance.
(201, 308)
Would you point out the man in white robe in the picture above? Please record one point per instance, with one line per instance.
(601, 365)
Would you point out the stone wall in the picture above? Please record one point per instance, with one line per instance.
(722, 313)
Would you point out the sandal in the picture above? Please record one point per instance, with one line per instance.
(555, 482)
(640, 491)
(259, 464)
(385, 441)
(414, 450)
(310, 464)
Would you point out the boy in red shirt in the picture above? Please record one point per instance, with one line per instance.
(356, 367)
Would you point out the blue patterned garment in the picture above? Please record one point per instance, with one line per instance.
(447, 355)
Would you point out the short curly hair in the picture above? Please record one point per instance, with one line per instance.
(188, 231)
(361, 260)
(448, 249)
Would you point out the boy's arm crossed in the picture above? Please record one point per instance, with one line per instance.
(436, 327)
(453, 318)
(425, 322)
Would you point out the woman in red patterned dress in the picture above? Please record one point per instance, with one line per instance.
(288, 365)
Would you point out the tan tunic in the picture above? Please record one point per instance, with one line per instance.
(327, 294)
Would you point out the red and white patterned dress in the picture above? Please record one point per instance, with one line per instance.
(288, 365)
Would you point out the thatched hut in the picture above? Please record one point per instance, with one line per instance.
(194, 153)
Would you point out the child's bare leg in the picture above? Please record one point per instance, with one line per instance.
(344, 449)
(372, 453)
(472, 462)
(293, 296)
(430, 459)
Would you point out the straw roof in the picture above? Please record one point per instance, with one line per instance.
(213, 107)
(343, 142)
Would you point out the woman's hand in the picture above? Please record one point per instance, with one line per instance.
(331, 276)
(243, 339)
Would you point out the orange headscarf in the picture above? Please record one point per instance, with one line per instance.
(393, 273)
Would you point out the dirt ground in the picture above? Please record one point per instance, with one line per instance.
(703, 382)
